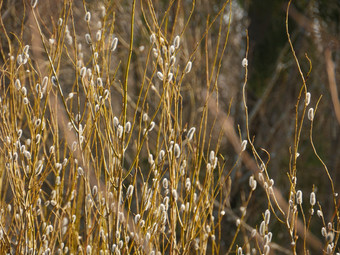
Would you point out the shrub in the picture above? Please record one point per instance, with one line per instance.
(104, 152)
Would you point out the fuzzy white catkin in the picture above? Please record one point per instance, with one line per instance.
(188, 67)
(106, 94)
(17, 84)
(177, 42)
(267, 216)
(299, 197)
(170, 76)
(252, 182)
(137, 218)
(172, 60)
(152, 125)
(311, 114)
(120, 244)
(98, 35)
(191, 133)
(262, 229)
(187, 184)
(129, 191)
(244, 145)
(99, 82)
(24, 91)
(88, 39)
(51, 41)
(88, 249)
(120, 131)
(152, 38)
(329, 249)
(164, 50)
(37, 122)
(172, 49)
(145, 117)
(208, 168)
(265, 239)
(94, 190)
(308, 96)
(183, 167)
(80, 171)
(25, 50)
(44, 83)
(19, 59)
(115, 122)
(147, 237)
(174, 194)
(37, 138)
(155, 52)
(160, 75)
(34, 3)
(54, 81)
(97, 68)
(114, 44)
(245, 62)
(161, 155)
(128, 127)
(38, 88)
(83, 72)
(212, 156)
(150, 159)
(266, 249)
(38, 169)
(25, 100)
(103, 11)
(312, 199)
(177, 150)
(87, 16)
(270, 236)
(70, 95)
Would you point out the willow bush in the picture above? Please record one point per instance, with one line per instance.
(110, 146)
